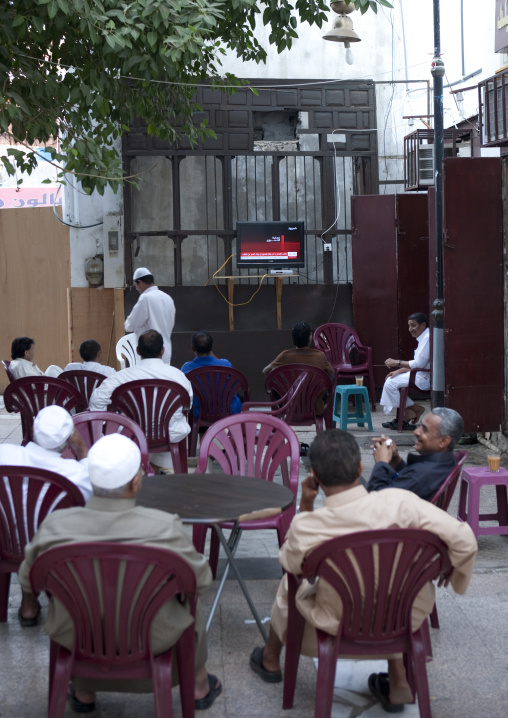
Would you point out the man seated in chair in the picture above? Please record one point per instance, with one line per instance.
(426, 470)
(418, 324)
(91, 353)
(303, 353)
(53, 432)
(151, 350)
(112, 515)
(336, 469)
(202, 346)
(22, 364)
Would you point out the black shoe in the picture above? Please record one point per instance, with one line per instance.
(390, 424)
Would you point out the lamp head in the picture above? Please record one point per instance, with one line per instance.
(342, 31)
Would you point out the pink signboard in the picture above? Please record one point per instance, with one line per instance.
(15, 197)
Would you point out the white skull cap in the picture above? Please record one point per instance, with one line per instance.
(52, 427)
(141, 272)
(113, 461)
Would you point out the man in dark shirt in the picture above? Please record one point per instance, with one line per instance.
(425, 471)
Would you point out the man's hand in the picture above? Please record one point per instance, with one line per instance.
(309, 492)
(392, 363)
(78, 446)
(381, 451)
(396, 373)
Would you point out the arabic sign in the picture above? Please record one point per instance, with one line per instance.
(13, 197)
(501, 25)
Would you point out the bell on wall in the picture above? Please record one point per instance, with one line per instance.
(342, 29)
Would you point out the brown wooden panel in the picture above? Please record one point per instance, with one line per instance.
(473, 290)
(412, 265)
(35, 274)
(93, 317)
(375, 277)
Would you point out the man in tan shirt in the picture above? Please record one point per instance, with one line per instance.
(348, 508)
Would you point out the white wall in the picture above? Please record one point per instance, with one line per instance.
(395, 45)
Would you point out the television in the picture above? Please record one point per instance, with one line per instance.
(271, 245)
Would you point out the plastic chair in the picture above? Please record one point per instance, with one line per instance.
(6, 364)
(27, 496)
(214, 388)
(31, 394)
(93, 425)
(152, 403)
(442, 499)
(296, 388)
(250, 444)
(404, 393)
(377, 576)
(347, 355)
(112, 593)
(126, 352)
(84, 381)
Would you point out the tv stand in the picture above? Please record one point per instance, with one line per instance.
(278, 294)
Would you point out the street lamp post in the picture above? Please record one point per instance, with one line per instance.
(438, 71)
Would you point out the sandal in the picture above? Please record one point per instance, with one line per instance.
(201, 704)
(256, 663)
(380, 688)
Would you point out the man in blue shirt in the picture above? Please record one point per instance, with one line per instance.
(202, 345)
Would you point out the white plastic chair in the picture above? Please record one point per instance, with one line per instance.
(126, 351)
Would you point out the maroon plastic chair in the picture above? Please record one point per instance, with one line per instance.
(21, 488)
(84, 381)
(32, 393)
(6, 364)
(214, 388)
(295, 389)
(377, 576)
(442, 499)
(250, 444)
(347, 355)
(93, 425)
(151, 403)
(404, 392)
(112, 593)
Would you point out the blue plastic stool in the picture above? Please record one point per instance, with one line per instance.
(362, 408)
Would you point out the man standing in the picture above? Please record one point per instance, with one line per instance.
(418, 325)
(153, 310)
(53, 432)
(336, 469)
(91, 353)
(424, 472)
(151, 350)
(111, 515)
(202, 345)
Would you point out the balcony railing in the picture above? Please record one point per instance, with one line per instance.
(493, 110)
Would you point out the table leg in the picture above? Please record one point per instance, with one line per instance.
(230, 547)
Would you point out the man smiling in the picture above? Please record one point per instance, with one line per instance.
(425, 471)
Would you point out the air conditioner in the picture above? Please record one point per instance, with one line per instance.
(424, 165)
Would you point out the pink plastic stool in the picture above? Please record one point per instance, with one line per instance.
(474, 477)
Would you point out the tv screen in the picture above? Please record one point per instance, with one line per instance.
(275, 245)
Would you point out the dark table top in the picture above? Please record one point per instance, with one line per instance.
(214, 498)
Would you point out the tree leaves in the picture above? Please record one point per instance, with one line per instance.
(80, 70)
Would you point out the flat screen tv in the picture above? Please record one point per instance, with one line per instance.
(274, 245)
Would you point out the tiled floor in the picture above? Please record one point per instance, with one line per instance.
(468, 677)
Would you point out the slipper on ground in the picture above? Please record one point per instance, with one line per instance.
(201, 704)
(29, 622)
(380, 688)
(79, 707)
(256, 663)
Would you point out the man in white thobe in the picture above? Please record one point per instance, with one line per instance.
(151, 350)
(418, 325)
(53, 432)
(91, 353)
(153, 310)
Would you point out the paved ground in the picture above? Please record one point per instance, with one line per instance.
(468, 676)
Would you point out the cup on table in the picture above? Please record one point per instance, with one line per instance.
(493, 462)
(359, 380)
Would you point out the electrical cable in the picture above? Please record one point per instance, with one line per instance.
(231, 304)
(67, 224)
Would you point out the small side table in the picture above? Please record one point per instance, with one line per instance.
(362, 407)
(473, 478)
